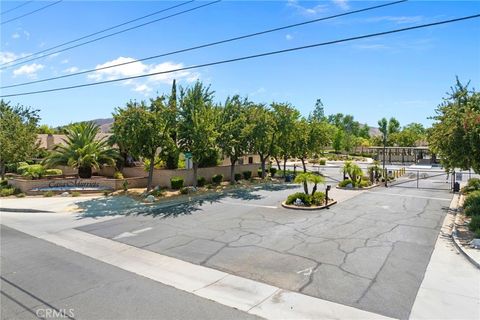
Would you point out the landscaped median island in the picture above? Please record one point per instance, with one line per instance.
(305, 200)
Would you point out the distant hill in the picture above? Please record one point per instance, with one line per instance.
(105, 124)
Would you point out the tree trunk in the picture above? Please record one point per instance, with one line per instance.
(85, 172)
(2, 170)
(314, 189)
(263, 160)
(304, 165)
(284, 165)
(305, 187)
(150, 173)
(195, 169)
(232, 170)
(278, 165)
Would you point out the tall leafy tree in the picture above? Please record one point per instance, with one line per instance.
(171, 160)
(318, 111)
(233, 135)
(261, 131)
(455, 134)
(83, 150)
(17, 134)
(285, 117)
(197, 123)
(144, 130)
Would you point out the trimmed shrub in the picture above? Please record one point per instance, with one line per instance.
(76, 194)
(118, 175)
(201, 181)
(247, 175)
(474, 224)
(22, 167)
(306, 198)
(259, 172)
(237, 176)
(472, 204)
(273, 171)
(322, 162)
(473, 184)
(318, 198)
(217, 179)
(364, 183)
(3, 183)
(34, 171)
(5, 192)
(20, 195)
(176, 183)
(184, 190)
(345, 183)
(53, 172)
(48, 194)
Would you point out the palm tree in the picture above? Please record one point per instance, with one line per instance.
(306, 177)
(82, 150)
(354, 172)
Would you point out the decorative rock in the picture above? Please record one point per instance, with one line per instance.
(475, 243)
(64, 194)
(349, 186)
(191, 189)
(150, 199)
(298, 202)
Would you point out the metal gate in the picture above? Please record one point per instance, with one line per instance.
(424, 179)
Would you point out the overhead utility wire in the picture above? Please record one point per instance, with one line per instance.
(113, 34)
(15, 8)
(98, 32)
(270, 53)
(31, 12)
(203, 45)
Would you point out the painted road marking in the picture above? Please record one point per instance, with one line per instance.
(131, 234)
(248, 204)
(408, 195)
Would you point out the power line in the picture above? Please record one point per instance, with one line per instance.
(31, 12)
(101, 31)
(270, 53)
(15, 8)
(205, 45)
(112, 34)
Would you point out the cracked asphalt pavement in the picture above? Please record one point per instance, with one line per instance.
(369, 251)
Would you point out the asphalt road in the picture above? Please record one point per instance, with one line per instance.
(370, 251)
(40, 280)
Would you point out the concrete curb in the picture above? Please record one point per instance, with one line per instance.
(359, 189)
(456, 242)
(287, 206)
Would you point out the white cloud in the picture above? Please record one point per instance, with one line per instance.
(6, 56)
(289, 37)
(139, 68)
(397, 19)
(71, 70)
(343, 4)
(64, 61)
(312, 11)
(26, 34)
(16, 35)
(142, 88)
(30, 70)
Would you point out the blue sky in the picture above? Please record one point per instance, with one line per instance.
(403, 75)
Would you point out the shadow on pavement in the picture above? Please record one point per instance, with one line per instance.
(183, 205)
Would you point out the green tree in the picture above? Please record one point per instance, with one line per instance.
(285, 117)
(455, 134)
(353, 171)
(83, 150)
(17, 134)
(144, 131)
(318, 111)
(410, 135)
(197, 133)
(261, 132)
(304, 178)
(338, 139)
(45, 129)
(233, 136)
(171, 160)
